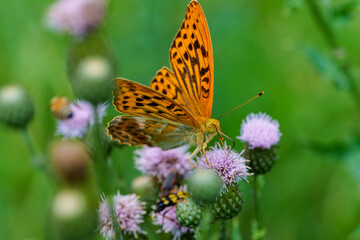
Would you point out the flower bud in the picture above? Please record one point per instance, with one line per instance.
(260, 160)
(204, 185)
(228, 203)
(72, 214)
(16, 106)
(91, 69)
(188, 213)
(70, 161)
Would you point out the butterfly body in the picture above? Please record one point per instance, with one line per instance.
(176, 109)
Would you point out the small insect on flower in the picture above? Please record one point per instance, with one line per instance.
(170, 196)
(60, 107)
(170, 199)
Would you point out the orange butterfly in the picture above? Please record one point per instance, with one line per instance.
(176, 109)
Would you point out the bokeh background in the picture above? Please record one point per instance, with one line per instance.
(274, 46)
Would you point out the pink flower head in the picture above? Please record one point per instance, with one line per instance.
(228, 164)
(260, 131)
(82, 118)
(106, 225)
(129, 212)
(156, 162)
(167, 220)
(76, 17)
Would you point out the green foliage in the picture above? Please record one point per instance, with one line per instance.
(304, 188)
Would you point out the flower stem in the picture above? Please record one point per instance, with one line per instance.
(258, 230)
(343, 64)
(37, 159)
(224, 230)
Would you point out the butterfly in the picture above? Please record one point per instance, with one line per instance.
(176, 109)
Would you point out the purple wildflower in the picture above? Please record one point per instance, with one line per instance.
(106, 225)
(260, 131)
(76, 17)
(82, 118)
(129, 212)
(229, 165)
(156, 162)
(167, 220)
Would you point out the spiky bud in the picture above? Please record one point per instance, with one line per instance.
(260, 160)
(188, 213)
(16, 106)
(204, 185)
(229, 202)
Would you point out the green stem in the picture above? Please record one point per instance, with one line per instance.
(258, 228)
(330, 38)
(37, 158)
(99, 148)
(224, 230)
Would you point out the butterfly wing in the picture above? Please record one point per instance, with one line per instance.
(166, 83)
(139, 100)
(191, 59)
(135, 131)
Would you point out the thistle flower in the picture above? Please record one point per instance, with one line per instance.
(76, 17)
(261, 134)
(82, 118)
(260, 131)
(106, 224)
(129, 212)
(167, 220)
(156, 162)
(229, 165)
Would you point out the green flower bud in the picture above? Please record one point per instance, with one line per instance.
(72, 214)
(229, 203)
(204, 185)
(188, 213)
(91, 69)
(261, 160)
(16, 106)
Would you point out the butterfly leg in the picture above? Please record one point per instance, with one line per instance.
(203, 150)
(193, 154)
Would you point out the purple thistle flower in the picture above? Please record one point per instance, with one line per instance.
(106, 225)
(229, 165)
(129, 212)
(82, 118)
(169, 224)
(260, 131)
(76, 17)
(156, 162)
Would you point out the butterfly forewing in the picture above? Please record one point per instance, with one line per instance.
(191, 58)
(152, 132)
(166, 83)
(139, 100)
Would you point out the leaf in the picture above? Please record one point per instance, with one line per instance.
(327, 68)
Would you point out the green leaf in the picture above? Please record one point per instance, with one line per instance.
(327, 68)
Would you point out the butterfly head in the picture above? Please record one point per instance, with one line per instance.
(212, 126)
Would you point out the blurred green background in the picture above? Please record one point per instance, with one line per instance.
(313, 190)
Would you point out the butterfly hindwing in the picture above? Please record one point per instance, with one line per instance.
(139, 100)
(191, 58)
(135, 131)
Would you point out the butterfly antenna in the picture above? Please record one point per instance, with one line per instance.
(233, 142)
(242, 104)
